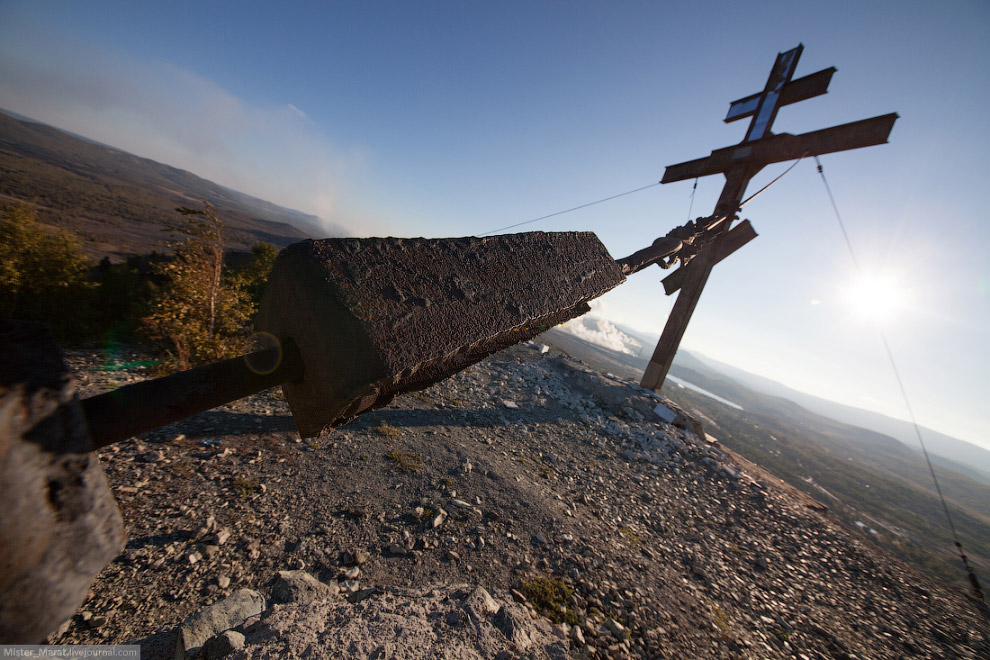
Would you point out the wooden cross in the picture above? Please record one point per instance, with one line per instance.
(739, 164)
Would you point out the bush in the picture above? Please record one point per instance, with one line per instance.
(191, 308)
(124, 295)
(43, 274)
(254, 276)
(202, 313)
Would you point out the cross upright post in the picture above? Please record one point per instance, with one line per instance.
(739, 164)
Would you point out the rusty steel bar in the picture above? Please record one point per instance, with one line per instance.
(671, 245)
(151, 404)
(661, 249)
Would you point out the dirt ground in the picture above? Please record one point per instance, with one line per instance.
(525, 466)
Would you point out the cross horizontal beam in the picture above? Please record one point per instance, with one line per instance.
(777, 148)
(734, 239)
(801, 89)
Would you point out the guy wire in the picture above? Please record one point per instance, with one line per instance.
(973, 580)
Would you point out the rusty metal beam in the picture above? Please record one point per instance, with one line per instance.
(736, 180)
(151, 404)
(661, 249)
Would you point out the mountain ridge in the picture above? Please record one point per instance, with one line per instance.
(121, 203)
(527, 474)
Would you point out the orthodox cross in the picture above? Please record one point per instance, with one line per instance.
(739, 164)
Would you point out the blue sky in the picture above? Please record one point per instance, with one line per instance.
(455, 118)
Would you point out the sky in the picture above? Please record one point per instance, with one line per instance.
(430, 118)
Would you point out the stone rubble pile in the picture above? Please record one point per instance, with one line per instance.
(657, 543)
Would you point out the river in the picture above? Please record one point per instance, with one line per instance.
(691, 386)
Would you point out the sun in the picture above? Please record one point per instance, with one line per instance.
(876, 296)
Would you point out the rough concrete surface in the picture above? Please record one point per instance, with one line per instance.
(375, 317)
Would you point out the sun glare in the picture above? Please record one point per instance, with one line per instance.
(876, 296)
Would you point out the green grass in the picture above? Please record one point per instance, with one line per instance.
(387, 431)
(406, 461)
(631, 537)
(550, 597)
(245, 487)
(720, 618)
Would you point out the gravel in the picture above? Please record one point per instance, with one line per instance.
(665, 546)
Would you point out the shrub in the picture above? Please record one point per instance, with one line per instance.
(43, 274)
(124, 295)
(245, 487)
(255, 274)
(202, 313)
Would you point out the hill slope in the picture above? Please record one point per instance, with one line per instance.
(861, 474)
(121, 204)
(955, 454)
(522, 467)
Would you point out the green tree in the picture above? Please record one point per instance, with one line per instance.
(43, 274)
(123, 296)
(255, 274)
(202, 312)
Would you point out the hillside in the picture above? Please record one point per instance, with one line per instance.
(527, 469)
(953, 453)
(121, 204)
(862, 475)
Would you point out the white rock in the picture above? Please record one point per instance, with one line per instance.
(223, 615)
(665, 413)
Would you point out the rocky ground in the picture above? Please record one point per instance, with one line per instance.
(554, 488)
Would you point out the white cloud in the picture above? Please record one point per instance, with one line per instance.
(297, 111)
(600, 331)
(175, 116)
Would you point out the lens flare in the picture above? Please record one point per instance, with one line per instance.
(876, 296)
(268, 362)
